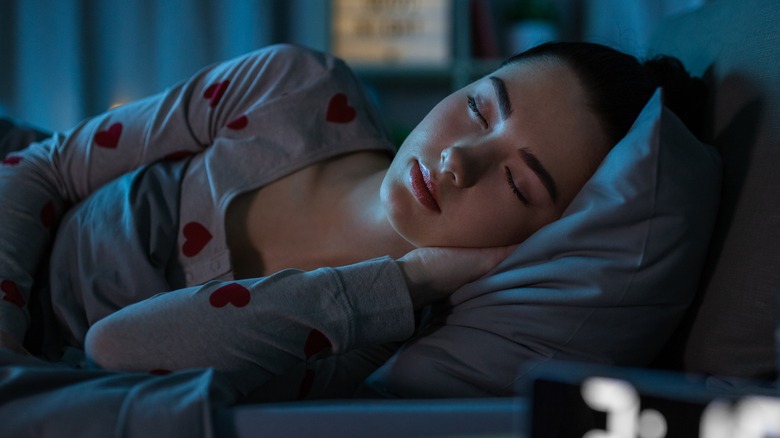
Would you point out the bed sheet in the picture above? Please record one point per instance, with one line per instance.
(43, 399)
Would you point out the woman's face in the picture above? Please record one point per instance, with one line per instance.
(495, 161)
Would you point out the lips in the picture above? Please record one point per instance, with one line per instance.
(423, 188)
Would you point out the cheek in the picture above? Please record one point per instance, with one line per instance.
(479, 218)
(398, 204)
(389, 192)
(472, 223)
(487, 219)
(442, 122)
(486, 226)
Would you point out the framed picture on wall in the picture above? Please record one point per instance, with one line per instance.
(392, 32)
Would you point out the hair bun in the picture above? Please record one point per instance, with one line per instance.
(684, 94)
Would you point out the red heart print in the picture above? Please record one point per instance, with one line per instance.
(109, 138)
(315, 343)
(12, 161)
(48, 215)
(306, 383)
(339, 110)
(215, 92)
(238, 123)
(12, 294)
(232, 293)
(196, 236)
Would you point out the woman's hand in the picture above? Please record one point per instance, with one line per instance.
(434, 273)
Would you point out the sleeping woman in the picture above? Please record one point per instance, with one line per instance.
(256, 215)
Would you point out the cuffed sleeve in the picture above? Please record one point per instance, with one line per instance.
(259, 328)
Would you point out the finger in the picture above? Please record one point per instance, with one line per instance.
(491, 257)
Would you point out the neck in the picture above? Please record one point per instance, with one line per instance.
(365, 220)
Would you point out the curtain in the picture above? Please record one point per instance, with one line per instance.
(64, 60)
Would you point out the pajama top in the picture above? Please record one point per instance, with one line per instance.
(150, 183)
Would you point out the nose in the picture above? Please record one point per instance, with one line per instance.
(465, 165)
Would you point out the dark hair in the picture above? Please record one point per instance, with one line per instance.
(619, 85)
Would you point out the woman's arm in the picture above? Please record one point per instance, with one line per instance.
(255, 329)
(260, 328)
(38, 183)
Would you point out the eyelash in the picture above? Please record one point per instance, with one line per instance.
(514, 188)
(475, 110)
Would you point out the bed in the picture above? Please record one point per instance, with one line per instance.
(485, 384)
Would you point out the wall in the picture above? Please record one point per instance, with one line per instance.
(63, 61)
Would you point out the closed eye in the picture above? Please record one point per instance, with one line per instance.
(475, 110)
(511, 181)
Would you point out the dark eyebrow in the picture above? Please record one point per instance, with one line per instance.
(504, 104)
(537, 167)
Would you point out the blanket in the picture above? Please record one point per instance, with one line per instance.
(43, 399)
(68, 398)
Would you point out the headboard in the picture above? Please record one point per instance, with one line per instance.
(735, 46)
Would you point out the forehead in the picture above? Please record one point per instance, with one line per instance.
(551, 117)
(548, 84)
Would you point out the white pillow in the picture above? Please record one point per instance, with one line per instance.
(608, 282)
